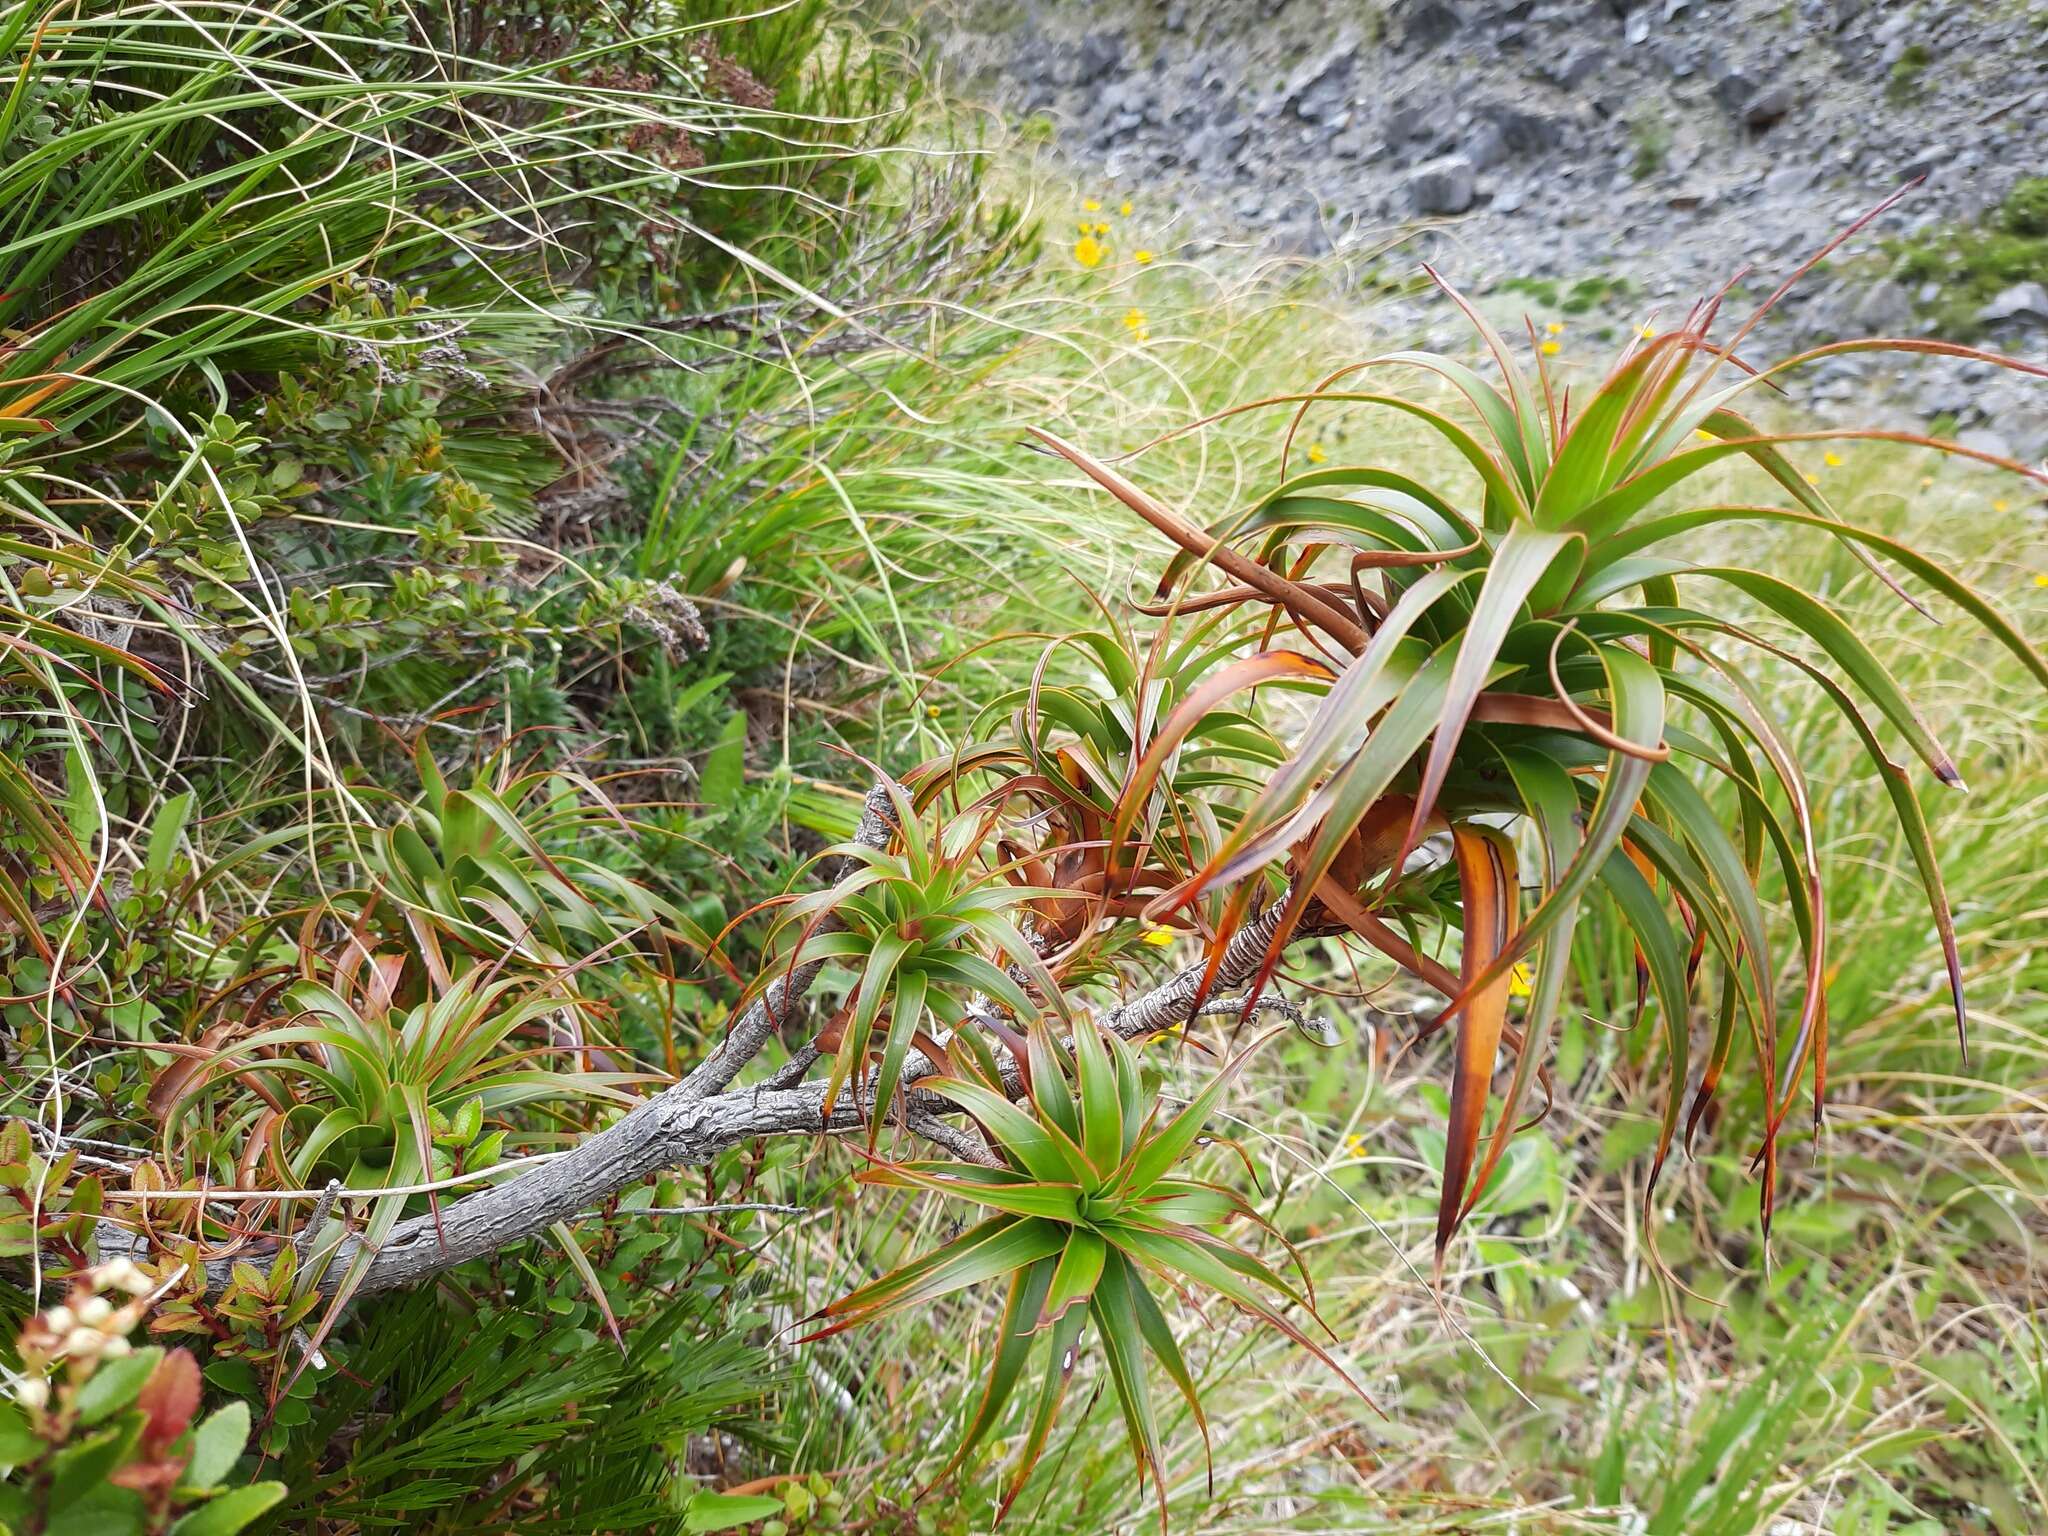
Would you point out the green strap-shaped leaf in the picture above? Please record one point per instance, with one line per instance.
(1827, 629)
(1116, 1324)
(1052, 1392)
(1014, 1338)
(1073, 1282)
(1158, 1153)
(1102, 1114)
(908, 1013)
(1036, 1148)
(998, 1189)
(1957, 591)
(1518, 564)
(996, 1247)
(1646, 918)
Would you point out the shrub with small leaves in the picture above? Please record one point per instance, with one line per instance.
(98, 1438)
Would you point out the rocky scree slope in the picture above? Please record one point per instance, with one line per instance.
(1631, 153)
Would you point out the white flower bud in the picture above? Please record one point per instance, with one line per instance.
(32, 1392)
(83, 1343)
(124, 1274)
(59, 1320)
(115, 1347)
(95, 1310)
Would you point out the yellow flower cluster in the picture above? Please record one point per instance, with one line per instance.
(1134, 322)
(1091, 244)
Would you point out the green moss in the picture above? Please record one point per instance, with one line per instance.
(1970, 265)
(1575, 298)
(2025, 209)
(1651, 137)
(1906, 73)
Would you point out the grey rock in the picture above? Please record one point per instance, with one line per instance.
(1885, 309)
(1574, 68)
(1525, 132)
(1428, 23)
(1767, 106)
(1927, 162)
(1984, 440)
(2023, 303)
(1326, 90)
(1100, 55)
(1443, 185)
(1732, 88)
(1485, 146)
(1404, 124)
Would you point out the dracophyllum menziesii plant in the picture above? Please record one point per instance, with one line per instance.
(1539, 663)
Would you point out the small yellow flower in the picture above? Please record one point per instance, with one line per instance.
(1089, 251)
(1101, 229)
(2041, 579)
(1355, 1146)
(1142, 258)
(1832, 460)
(1316, 454)
(1520, 982)
(1551, 349)
(1811, 479)
(1134, 322)
(1091, 206)
(1554, 328)
(1926, 482)
(1646, 330)
(1124, 208)
(931, 711)
(1998, 506)
(1158, 938)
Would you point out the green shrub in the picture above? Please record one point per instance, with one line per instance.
(99, 1438)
